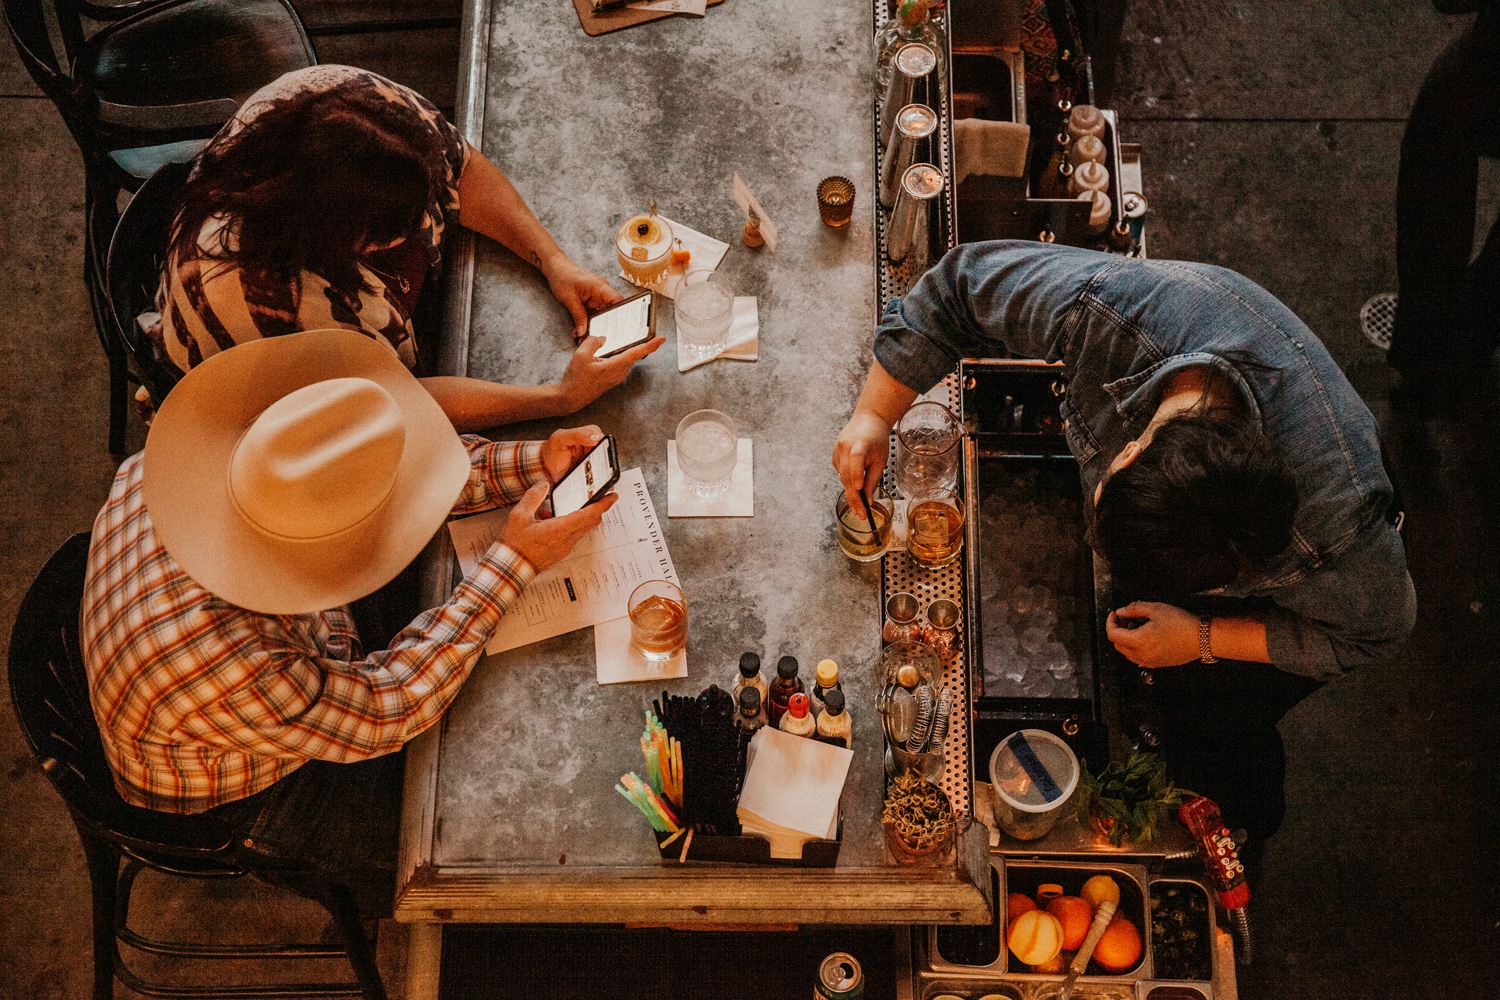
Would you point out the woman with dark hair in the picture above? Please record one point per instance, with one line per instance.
(1233, 479)
(323, 203)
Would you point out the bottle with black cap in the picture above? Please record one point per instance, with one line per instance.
(785, 684)
(749, 677)
(834, 724)
(752, 713)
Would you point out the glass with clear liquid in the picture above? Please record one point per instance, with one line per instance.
(707, 449)
(705, 308)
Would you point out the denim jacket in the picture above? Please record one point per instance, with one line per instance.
(1340, 592)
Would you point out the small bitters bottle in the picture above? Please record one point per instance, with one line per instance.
(752, 714)
(785, 684)
(825, 679)
(749, 676)
(798, 719)
(834, 725)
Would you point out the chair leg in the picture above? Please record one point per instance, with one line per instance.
(104, 870)
(339, 903)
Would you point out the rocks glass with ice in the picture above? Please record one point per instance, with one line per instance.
(927, 450)
(707, 447)
(705, 307)
(658, 619)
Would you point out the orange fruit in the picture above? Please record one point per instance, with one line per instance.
(1016, 904)
(1035, 937)
(1059, 963)
(1100, 888)
(1075, 914)
(1120, 947)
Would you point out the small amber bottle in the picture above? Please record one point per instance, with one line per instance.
(752, 713)
(785, 684)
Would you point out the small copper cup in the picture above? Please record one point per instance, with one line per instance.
(836, 201)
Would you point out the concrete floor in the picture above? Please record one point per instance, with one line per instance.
(1271, 133)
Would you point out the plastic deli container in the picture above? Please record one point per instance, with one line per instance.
(1033, 774)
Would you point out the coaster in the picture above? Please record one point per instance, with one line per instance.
(737, 501)
(742, 343)
(616, 661)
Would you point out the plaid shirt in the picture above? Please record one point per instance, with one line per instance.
(200, 702)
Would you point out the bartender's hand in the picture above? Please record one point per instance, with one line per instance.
(565, 447)
(1150, 634)
(545, 542)
(578, 290)
(588, 377)
(859, 455)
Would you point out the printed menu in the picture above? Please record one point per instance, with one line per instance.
(593, 584)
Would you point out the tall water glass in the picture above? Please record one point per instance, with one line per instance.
(707, 447)
(705, 307)
(927, 450)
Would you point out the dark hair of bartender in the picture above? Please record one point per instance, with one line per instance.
(1207, 501)
(313, 182)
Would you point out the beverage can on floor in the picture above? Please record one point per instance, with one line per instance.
(840, 978)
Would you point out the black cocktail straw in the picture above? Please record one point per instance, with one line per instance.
(864, 499)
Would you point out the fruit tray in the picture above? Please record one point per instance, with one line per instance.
(974, 963)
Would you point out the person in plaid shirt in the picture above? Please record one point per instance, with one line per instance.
(281, 481)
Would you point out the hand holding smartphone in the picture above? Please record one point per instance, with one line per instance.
(625, 324)
(587, 481)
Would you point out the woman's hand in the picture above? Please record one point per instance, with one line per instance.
(565, 447)
(544, 542)
(579, 291)
(588, 377)
(859, 454)
(1149, 634)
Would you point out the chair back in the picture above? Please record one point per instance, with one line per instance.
(49, 690)
(153, 73)
(137, 255)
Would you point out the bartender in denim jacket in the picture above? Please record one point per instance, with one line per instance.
(1233, 479)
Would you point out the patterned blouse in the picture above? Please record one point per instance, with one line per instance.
(208, 304)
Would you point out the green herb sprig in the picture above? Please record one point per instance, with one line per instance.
(1127, 797)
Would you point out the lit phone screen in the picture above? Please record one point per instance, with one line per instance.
(577, 486)
(622, 326)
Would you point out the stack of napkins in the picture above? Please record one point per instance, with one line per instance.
(791, 791)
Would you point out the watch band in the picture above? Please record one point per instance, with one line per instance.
(1205, 652)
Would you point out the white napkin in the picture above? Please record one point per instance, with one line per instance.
(741, 343)
(706, 252)
(792, 789)
(737, 501)
(616, 661)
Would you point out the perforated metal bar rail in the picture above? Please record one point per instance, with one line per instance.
(897, 279)
(899, 572)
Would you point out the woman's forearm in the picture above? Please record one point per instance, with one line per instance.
(474, 405)
(490, 204)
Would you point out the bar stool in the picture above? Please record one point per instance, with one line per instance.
(50, 694)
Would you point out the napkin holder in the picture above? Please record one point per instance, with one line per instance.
(745, 849)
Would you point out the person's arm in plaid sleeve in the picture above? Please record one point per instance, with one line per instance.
(298, 704)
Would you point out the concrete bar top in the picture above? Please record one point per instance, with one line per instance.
(511, 809)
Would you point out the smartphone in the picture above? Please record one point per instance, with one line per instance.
(625, 324)
(589, 480)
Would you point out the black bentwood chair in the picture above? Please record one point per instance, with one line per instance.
(151, 84)
(49, 691)
(137, 253)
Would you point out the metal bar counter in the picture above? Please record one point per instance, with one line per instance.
(510, 809)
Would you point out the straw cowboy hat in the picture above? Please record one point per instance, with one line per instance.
(298, 473)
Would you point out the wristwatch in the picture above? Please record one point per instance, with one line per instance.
(1205, 652)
